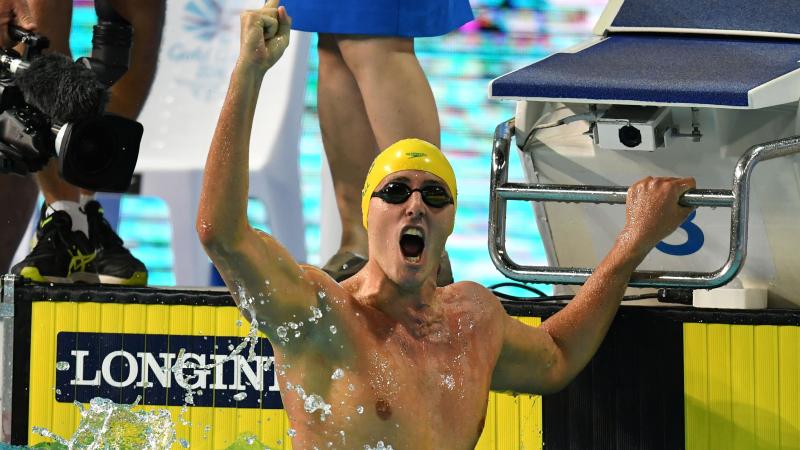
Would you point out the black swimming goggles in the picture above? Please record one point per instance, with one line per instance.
(396, 193)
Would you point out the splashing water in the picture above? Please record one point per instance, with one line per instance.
(311, 402)
(281, 332)
(379, 446)
(314, 403)
(106, 424)
(448, 381)
(316, 314)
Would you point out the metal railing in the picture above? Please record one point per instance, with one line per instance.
(736, 198)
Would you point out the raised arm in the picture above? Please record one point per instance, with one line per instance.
(545, 359)
(255, 267)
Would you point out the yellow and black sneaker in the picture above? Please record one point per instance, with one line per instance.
(60, 255)
(114, 263)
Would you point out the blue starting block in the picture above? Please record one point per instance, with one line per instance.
(670, 88)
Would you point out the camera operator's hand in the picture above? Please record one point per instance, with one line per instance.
(14, 12)
(265, 35)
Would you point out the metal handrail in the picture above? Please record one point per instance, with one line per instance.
(737, 199)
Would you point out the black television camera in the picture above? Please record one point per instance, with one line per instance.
(51, 107)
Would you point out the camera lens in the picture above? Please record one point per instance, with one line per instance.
(94, 146)
(630, 136)
(99, 153)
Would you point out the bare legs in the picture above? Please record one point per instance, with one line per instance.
(129, 93)
(18, 197)
(372, 92)
(53, 18)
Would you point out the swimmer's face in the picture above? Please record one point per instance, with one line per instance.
(406, 238)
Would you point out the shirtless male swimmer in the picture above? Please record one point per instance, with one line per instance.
(410, 364)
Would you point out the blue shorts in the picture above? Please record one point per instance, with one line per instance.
(409, 18)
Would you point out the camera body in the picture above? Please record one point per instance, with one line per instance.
(55, 108)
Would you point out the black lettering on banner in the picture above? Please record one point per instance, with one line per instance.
(122, 367)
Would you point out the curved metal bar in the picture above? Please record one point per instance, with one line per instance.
(737, 199)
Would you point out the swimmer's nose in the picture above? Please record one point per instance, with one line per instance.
(415, 206)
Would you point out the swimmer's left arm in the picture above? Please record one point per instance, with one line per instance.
(547, 358)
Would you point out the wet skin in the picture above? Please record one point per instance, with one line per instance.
(423, 383)
(421, 359)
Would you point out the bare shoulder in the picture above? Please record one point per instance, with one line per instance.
(469, 296)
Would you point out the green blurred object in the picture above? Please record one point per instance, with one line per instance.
(247, 442)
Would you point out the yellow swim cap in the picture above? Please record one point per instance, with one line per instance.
(407, 154)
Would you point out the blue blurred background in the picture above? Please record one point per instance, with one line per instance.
(506, 35)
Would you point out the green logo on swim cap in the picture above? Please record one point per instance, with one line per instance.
(412, 155)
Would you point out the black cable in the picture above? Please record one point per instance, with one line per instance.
(542, 297)
(524, 286)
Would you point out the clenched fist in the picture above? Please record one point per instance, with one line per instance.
(265, 35)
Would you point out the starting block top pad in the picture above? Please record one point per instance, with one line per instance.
(664, 69)
(748, 17)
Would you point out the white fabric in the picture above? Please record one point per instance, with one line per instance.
(198, 51)
(79, 222)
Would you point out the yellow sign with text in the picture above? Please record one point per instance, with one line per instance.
(83, 350)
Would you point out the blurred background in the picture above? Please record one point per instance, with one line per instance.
(506, 35)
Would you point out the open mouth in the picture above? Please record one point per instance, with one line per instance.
(412, 243)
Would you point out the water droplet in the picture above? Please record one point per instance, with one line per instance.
(240, 396)
(281, 332)
(314, 402)
(239, 323)
(250, 440)
(230, 347)
(338, 374)
(448, 381)
(293, 325)
(321, 295)
(184, 443)
(351, 387)
(316, 314)
(333, 329)
(291, 432)
(62, 366)
(360, 409)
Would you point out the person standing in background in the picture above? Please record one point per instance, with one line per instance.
(78, 244)
(371, 93)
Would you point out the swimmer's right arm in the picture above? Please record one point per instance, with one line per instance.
(253, 264)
